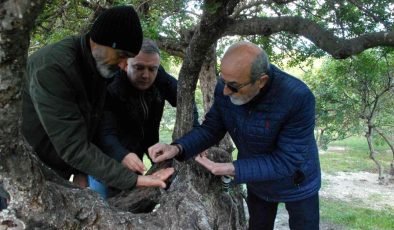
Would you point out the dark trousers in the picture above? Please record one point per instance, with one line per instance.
(303, 214)
(3, 203)
(3, 197)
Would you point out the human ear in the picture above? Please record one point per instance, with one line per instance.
(263, 80)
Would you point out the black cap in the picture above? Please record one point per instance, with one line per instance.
(118, 27)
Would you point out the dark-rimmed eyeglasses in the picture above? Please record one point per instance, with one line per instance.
(235, 88)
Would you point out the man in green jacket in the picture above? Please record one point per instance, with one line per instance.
(64, 94)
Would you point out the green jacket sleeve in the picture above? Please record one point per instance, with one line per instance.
(55, 101)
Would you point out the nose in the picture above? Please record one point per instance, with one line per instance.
(145, 73)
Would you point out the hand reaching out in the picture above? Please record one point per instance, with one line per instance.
(157, 179)
(215, 168)
(160, 152)
(134, 163)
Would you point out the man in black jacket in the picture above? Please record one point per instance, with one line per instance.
(64, 95)
(134, 108)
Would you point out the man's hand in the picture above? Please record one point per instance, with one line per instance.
(134, 163)
(218, 169)
(160, 152)
(156, 179)
(81, 180)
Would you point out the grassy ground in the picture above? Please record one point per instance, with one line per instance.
(357, 143)
(345, 214)
(355, 158)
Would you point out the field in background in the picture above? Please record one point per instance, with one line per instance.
(353, 156)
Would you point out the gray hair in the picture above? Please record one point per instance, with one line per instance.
(149, 46)
(260, 66)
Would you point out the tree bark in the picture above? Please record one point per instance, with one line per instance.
(386, 139)
(18, 176)
(372, 151)
(210, 29)
(207, 78)
(195, 200)
(40, 199)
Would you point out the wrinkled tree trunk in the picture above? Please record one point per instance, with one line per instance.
(42, 200)
(212, 26)
(372, 151)
(207, 78)
(320, 138)
(195, 200)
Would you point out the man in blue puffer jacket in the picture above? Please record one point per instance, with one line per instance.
(270, 116)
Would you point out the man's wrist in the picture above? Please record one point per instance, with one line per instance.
(140, 181)
(179, 148)
(231, 169)
(180, 156)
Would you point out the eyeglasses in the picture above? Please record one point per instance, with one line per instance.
(234, 88)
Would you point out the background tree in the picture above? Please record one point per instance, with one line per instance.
(335, 117)
(355, 96)
(188, 29)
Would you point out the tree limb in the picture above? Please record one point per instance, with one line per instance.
(245, 7)
(211, 28)
(326, 40)
(172, 46)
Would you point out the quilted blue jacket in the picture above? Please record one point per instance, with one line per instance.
(274, 134)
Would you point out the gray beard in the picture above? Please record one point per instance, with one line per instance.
(242, 100)
(106, 71)
(237, 101)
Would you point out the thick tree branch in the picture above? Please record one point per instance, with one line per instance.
(210, 29)
(337, 47)
(281, 2)
(172, 46)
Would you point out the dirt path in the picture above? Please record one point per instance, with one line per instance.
(361, 189)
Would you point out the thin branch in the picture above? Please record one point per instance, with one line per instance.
(307, 9)
(386, 139)
(373, 16)
(238, 11)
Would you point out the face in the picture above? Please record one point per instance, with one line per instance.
(235, 74)
(142, 70)
(109, 60)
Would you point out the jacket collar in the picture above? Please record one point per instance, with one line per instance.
(88, 62)
(266, 89)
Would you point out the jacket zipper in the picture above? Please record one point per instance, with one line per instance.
(146, 112)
